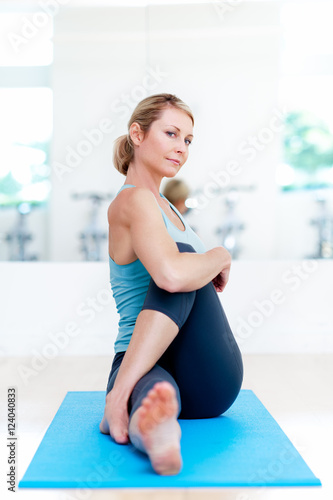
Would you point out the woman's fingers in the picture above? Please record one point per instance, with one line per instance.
(220, 281)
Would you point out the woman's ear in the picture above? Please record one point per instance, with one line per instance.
(136, 133)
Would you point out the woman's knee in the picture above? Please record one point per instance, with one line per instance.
(210, 404)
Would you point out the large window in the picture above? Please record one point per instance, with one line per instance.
(26, 106)
(25, 130)
(305, 90)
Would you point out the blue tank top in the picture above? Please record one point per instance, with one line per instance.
(129, 282)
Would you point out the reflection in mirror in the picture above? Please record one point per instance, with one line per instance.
(260, 170)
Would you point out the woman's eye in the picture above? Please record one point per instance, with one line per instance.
(187, 141)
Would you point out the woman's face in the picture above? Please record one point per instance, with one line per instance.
(166, 144)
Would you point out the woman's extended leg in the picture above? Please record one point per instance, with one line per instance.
(152, 334)
(153, 428)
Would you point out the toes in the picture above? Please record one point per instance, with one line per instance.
(146, 404)
(159, 404)
(103, 427)
(115, 423)
(119, 436)
(166, 391)
(153, 394)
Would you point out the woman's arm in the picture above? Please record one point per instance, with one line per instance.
(171, 270)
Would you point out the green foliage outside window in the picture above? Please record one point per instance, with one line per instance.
(308, 149)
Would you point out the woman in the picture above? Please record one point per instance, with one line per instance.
(177, 192)
(175, 355)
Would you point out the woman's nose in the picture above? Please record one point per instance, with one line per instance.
(180, 146)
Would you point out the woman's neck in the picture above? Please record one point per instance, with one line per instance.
(144, 179)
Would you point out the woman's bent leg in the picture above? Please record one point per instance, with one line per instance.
(216, 366)
(204, 357)
(206, 360)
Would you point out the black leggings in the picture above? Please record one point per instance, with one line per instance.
(203, 362)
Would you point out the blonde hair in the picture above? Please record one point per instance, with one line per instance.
(146, 112)
(176, 190)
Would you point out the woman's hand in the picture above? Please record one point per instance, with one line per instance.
(220, 281)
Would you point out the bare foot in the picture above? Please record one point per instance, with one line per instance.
(154, 429)
(115, 419)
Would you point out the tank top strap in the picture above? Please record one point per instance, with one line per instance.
(125, 186)
(166, 219)
(176, 211)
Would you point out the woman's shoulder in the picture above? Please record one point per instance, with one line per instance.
(129, 200)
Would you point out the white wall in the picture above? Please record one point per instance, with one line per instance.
(52, 309)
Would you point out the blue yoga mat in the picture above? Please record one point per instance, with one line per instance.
(243, 447)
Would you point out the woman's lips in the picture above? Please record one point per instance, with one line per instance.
(176, 162)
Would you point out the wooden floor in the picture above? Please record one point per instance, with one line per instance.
(295, 388)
